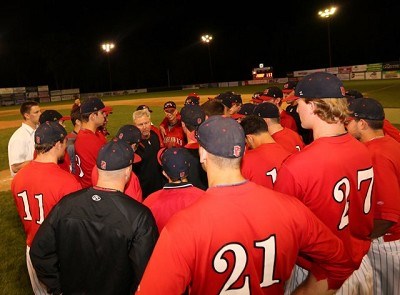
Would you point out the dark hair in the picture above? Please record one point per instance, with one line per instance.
(253, 124)
(213, 107)
(26, 107)
(375, 124)
(45, 147)
(75, 115)
(85, 117)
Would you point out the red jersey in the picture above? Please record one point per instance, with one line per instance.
(172, 198)
(36, 188)
(132, 188)
(174, 135)
(289, 139)
(287, 120)
(243, 238)
(87, 146)
(333, 176)
(385, 152)
(389, 129)
(261, 165)
(157, 131)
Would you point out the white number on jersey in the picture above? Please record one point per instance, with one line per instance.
(273, 173)
(341, 192)
(240, 261)
(28, 216)
(78, 164)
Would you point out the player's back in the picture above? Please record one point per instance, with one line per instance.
(333, 176)
(36, 189)
(261, 164)
(289, 139)
(87, 146)
(244, 237)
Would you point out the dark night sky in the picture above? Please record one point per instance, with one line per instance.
(57, 43)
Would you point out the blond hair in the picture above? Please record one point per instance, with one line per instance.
(140, 113)
(331, 110)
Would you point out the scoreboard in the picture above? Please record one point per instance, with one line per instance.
(262, 73)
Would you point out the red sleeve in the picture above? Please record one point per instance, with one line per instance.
(390, 130)
(164, 123)
(133, 189)
(157, 131)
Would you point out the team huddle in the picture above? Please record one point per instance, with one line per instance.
(222, 197)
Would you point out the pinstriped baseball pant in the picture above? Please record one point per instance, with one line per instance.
(385, 261)
(37, 287)
(359, 283)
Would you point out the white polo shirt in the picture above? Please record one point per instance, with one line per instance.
(21, 145)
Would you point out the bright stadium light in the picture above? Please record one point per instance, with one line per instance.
(107, 48)
(327, 14)
(206, 39)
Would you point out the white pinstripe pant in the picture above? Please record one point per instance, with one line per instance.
(37, 287)
(385, 260)
(359, 283)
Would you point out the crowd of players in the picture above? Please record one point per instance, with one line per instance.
(223, 197)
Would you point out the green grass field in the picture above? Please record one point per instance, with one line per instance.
(14, 277)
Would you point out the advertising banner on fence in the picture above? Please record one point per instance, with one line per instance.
(377, 67)
(357, 76)
(6, 90)
(359, 68)
(391, 66)
(43, 88)
(373, 75)
(344, 70)
(306, 72)
(70, 91)
(333, 71)
(344, 77)
(391, 75)
(19, 90)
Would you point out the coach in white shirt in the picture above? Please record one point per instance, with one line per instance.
(22, 145)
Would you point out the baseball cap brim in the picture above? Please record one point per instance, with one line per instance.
(287, 90)
(290, 98)
(107, 109)
(136, 158)
(65, 118)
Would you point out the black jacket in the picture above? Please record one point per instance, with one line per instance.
(94, 242)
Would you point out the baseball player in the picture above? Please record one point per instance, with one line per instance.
(213, 107)
(148, 170)
(366, 125)
(192, 116)
(40, 185)
(239, 237)
(55, 116)
(71, 137)
(247, 109)
(232, 102)
(21, 144)
(131, 134)
(193, 99)
(286, 137)
(388, 128)
(88, 141)
(97, 240)
(291, 109)
(333, 176)
(171, 127)
(153, 127)
(264, 156)
(178, 193)
(274, 94)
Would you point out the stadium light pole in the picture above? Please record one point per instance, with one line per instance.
(327, 14)
(207, 39)
(107, 48)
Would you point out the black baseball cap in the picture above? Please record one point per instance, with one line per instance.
(247, 109)
(229, 98)
(194, 100)
(352, 93)
(143, 107)
(53, 116)
(169, 105)
(193, 115)
(222, 136)
(130, 133)
(175, 162)
(49, 132)
(320, 85)
(256, 97)
(266, 110)
(289, 86)
(367, 108)
(115, 155)
(91, 105)
(273, 92)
